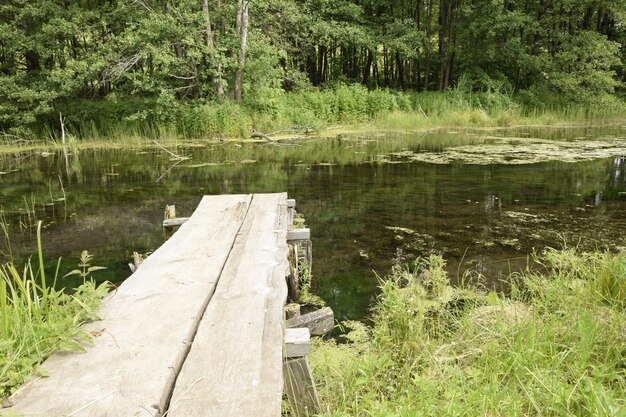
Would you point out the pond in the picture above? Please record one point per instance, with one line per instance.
(482, 199)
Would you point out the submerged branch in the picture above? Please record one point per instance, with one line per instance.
(267, 137)
(182, 158)
(169, 169)
(262, 136)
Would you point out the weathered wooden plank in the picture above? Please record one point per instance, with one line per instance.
(234, 367)
(291, 211)
(297, 342)
(146, 326)
(299, 234)
(319, 322)
(174, 222)
(300, 387)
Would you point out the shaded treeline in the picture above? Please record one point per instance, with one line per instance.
(152, 55)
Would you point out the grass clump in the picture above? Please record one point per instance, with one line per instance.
(555, 346)
(36, 319)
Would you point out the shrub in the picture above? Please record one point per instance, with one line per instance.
(215, 119)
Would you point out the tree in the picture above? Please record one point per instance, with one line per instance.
(141, 60)
(242, 31)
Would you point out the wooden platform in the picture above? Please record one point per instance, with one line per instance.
(197, 330)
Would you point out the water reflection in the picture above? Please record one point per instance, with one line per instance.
(364, 206)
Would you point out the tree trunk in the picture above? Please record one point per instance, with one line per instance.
(330, 67)
(325, 73)
(367, 67)
(217, 84)
(243, 40)
(429, 20)
(400, 66)
(321, 51)
(451, 43)
(355, 64)
(376, 75)
(238, 20)
(207, 24)
(385, 67)
(587, 18)
(390, 71)
(443, 9)
(311, 65)
(416, 82)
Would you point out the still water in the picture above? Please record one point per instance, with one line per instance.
(484, 200)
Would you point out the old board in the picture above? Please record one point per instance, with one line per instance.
(232, 251)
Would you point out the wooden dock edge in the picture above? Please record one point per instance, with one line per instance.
(299, 385)
(298, 378)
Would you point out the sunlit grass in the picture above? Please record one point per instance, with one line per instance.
(36, 319)
(555, 346)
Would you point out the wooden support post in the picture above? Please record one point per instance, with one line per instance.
(292, 310)
(293, 280)
(305, 246)
(306, 251)
(318, 322)
(299, 384)
(168, 215)
(299, 234)
(291, 211)
(297, 342)
(170, 212)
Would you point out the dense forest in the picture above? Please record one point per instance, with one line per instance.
(141, 60)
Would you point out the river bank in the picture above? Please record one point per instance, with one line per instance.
(396, 123)
(306, 114)
(554, 346)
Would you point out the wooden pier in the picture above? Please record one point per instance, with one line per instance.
(197, 330)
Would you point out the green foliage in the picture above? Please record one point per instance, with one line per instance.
(36, 320)
(86, 269)
(262, 88)
(555, 346)
(581, 73)
(214, 120)
(272, 109)
(141, 64)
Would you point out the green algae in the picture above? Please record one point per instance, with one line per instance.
(516, 151)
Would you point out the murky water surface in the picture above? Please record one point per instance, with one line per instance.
(482, 200)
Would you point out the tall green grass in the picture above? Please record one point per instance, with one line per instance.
(129, 121)
(555, 346)
(36, 319)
